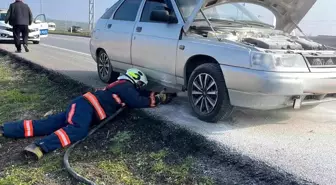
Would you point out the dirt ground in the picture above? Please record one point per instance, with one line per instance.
(133, 149)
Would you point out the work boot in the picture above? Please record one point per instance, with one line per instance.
(33, 152)
(1, 131)
(18, 51)
(26, 47)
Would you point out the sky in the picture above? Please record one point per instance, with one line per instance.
(320, 20)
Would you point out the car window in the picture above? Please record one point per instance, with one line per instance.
(2, 16)
(128, 10)
(111, 10)
(154, 5)
(41, 18)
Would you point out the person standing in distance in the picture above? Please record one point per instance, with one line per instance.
(20, 17)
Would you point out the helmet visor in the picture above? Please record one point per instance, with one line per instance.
(141, 84)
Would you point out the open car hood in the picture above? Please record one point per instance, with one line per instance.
(288, 13)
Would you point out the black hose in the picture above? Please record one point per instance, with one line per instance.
(67, 153)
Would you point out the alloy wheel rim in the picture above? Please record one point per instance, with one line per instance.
(204, 93)
(103, 65)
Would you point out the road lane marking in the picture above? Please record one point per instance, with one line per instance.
(74, 63)
(77, 39)
(69, 50)
(68, 36)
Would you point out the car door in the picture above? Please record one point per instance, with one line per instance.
(118, 33)
(101, 23)
(44, 27)
(154, 44)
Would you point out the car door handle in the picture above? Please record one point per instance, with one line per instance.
(109, 26)
(139, 29)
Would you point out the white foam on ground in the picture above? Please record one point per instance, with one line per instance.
(301, 142)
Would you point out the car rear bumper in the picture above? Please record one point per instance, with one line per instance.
(272, 90)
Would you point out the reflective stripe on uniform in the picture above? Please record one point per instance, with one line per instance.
(118, 100)
(95, 103)
(63, 137)
(114, 84)
(28, 128)
(71, 113)
(152, 97)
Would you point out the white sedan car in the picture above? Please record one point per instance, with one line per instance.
(36, 30)
(220, 51)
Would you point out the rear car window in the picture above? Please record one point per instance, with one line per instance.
(109, 12)
(128, 10)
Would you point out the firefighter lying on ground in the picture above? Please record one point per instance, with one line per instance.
(72, 125)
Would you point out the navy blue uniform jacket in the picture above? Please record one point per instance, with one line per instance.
(123, 92)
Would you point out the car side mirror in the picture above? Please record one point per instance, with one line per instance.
(162, 16)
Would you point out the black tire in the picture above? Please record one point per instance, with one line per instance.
(222, 108)
(104, 68)
(36, 42)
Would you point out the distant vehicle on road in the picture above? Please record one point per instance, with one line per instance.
(51, 26)
(218, 51)
(75, 29)
(6, 30)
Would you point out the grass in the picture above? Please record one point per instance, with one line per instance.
(129, 162)
(120, 172)
(58, 32)
(28, 95)
(118, 156)
(155, 164)
(23, 92)
(21, 176)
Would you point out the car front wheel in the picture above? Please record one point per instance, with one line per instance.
(104, 67)
(208, 94)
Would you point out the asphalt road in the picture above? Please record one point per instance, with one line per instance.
(80, 44)
(300, 142)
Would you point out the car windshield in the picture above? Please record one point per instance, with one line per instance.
(241, 13)
(2, 16)
(186, 7)
(244, 13)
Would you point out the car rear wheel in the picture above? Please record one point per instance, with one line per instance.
(104, 67)
(208, 94)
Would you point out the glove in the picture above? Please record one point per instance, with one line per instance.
(164, 98)
(160, 98)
